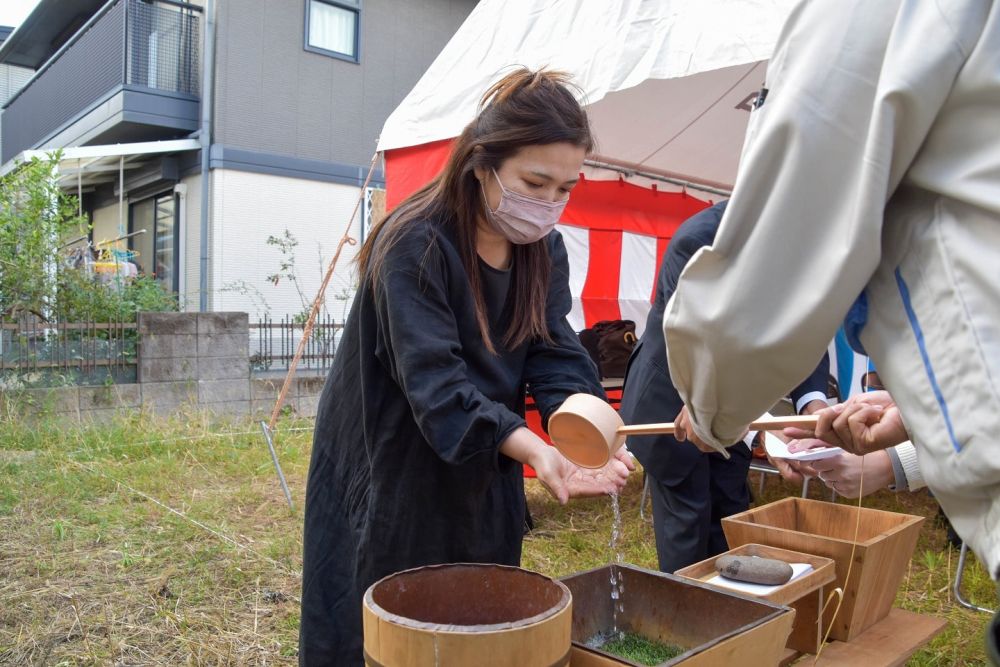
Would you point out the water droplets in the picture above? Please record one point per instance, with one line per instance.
(617, 574)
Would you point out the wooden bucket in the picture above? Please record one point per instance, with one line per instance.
(467, 614)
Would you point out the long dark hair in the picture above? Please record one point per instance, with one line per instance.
(524, 108)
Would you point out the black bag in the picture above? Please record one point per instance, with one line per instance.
(610, 343)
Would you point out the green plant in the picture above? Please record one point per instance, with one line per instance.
(59, 530)
(286, 244)
(36, 220)
(35, 217)
(127, 559)
(640, 649)
(81, 298)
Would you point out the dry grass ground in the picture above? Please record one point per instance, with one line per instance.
(140, 542)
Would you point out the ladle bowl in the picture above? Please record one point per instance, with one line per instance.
(585, 430)
(588, 431)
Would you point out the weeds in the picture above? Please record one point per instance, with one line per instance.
(169, 542)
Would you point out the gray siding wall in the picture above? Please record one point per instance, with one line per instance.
(274, 96)
(11, 80)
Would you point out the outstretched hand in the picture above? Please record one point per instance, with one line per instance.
(845, 473)
(563, 479)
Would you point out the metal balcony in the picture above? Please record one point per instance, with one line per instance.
(130, 73)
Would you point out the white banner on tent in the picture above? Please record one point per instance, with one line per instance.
(637, 278)
(577, 240)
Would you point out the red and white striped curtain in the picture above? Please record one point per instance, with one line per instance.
(615, 234)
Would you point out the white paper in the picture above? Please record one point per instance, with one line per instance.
(777, 449)
(798, 569)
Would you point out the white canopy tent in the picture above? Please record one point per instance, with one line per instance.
(669, 86)
(667, 83)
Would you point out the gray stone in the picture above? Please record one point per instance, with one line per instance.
(161, 396)
(223, 368)
(168, 323)
(157, 346)
(167, 369)
(221, 391)
(224, 345)
(110, 397)
(215, 323)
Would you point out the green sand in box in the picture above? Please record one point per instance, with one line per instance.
(639, 649)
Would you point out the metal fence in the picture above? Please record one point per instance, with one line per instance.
(273, 344)
(36, 353)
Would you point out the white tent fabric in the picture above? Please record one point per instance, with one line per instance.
(667, 82)
(668, 86)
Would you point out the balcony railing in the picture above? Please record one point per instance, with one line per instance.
(127, 44)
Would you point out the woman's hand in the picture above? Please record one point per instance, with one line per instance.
(562, 478)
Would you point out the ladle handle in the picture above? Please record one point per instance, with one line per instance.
(768, 424)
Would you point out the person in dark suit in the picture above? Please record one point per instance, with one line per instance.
(691, 491)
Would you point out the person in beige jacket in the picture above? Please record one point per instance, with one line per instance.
(873, 166)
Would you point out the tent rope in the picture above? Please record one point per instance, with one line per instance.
(346, 239)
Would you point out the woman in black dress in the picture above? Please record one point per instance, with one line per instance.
(462, 305)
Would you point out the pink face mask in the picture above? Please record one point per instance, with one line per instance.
(520, 218)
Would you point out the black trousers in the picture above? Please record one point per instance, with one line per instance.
(687, 516)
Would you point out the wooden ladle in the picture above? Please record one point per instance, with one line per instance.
(588, 431)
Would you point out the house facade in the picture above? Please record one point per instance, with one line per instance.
(195, 131)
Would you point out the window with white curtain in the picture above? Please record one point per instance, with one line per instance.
(332, 27)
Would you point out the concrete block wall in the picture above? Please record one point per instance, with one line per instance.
(195, 359)
(185, 361)
(302, 398)
(76, 403)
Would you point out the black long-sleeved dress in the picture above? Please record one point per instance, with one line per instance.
(405, 467)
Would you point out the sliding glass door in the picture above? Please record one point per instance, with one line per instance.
(157, 249)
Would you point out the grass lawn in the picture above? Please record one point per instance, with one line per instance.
(151, 542)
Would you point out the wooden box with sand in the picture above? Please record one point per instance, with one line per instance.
(669, 617)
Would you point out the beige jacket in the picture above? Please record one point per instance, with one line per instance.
(873, 165)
